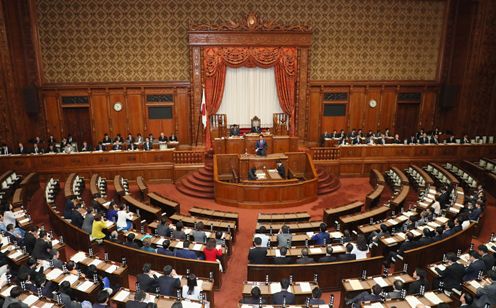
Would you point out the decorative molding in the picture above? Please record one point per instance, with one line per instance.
(251, 23)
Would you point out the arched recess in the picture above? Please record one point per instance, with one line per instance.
(250, 35)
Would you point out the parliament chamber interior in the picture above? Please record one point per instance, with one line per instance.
(247, 154)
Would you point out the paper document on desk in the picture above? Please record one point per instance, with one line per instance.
(413, 301)
(96, 262)
(433, 298)
(121, 296)
(374, 305)
(197, 247)
(315, 250)
(475, 284)
(15, 255)
(55, 242)
(416, 232)
(310, 234)
(150, 298)
(85, 286)
(275, 287)
(80, 256)
(6, 292)
(24, 221)
(392, 222)
(30, 300)
(71, 278)
(335, 234)
(305, 287)
(355, 284)
(399, 278)
(187, 304)
(112, 268)
(47, 305)
(380, 281)
(54, 274)
(389, 240)
(278, 252)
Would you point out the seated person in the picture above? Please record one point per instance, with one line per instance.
(147, 281)
(322, 237)
(328, 257)
(397, 288)
(304, 259)
(281, 170)
(255, 298)
(316, 300)
(373, 296)
(185, 252)
(168, 282)
(261, 146)
(164, 250)
(283, 259)
(234, 130)
(106, 139)
(420, 276)
(453, 273)
(85, 147)
(284, 237)
(256, 129)
(284, 296)
(148, 145)
(173, 138)
(348, 255)
(261, 234)
(100, 147)
(252, 174)
(487, 294)
(257, 254)
(130, 138)
(162, 138)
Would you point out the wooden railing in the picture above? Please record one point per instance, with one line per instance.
(189, 157)
(325, 153)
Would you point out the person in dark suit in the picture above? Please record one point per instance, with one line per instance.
(487, 294)
(168, 284)
(30, 238)
(348, 255)
(322, 237)
(486, 257)
(426, 238)
(397, 139)
(283, 259)
(304, 259)
(373, 296)
(281, 170)
(129, 139)
(106, 139)
(36, 149)
(130, 241)
(148, 145)
(258, 254)
(450, 229)
(397, 288)
(328, 257)
(466, 300)
(412, 140)
(76, 218)
(283, 296)
(476, 266)
(315, 299)
(475, 213)
(164, 250)
(100, 147)
(139, 300)
(85, 147)
(117, 146)
(162, 138)
(451, 139)
(42, 247)
(452, 275)
(185, 252)
(173, 138)
(21, 149)
(252, 174)
(465, 140)
(261, 146)
(234, 130)
(147, 282)
(255, 298)
(420, 276)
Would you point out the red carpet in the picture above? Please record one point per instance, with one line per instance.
(230, 293)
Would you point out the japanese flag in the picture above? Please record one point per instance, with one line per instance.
(203, 110)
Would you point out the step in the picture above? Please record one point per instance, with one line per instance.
(195, 187)
(324, 178)
(202, 177)
(198, 182)
(205, 172)
(185, 190)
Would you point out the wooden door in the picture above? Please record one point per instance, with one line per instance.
(407, 119)
(77, 123)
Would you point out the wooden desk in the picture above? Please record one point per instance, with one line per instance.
(246, 143)
(57, 276)
(376, 177)
(451, 178)
(374, 197)
(191, 221)
(401, 175)
(68, 193)
(119, 188)
(427, 178)
(330, 274)
(400, 198)
(30, 297)
(370, 281)
(354, 220)
(299, 289)
(143, 188)
(332, 214)
(214, 214)
(169, 206)
(148, 212)
(31, 184)
(94, 189)
(483, 176)
(403, 303)
(294, 227)
(283, 217)
(123, 295)
(19, 198)
(117, 272)
(136, 258)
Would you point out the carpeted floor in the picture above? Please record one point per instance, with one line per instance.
(230, 292)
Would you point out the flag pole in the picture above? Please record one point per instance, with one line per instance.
(200, 116)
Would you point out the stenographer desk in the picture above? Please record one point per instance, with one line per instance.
(246, 144)
(272, 190)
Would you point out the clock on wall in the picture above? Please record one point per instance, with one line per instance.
(373, 103)
(118, 106)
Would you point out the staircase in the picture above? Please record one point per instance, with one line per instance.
(327, 183)
(199, 184)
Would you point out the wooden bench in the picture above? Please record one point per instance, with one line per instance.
(143, 188)
(283, 217)
(332, 214)
(376, 177)
(168, 205)
(329, 274)
(354, 220)
(94, 189)
(400, 198)
(220, 225)
(19, 198)
(214, 214)
(31, 184)
(148, 212)
(374, 197)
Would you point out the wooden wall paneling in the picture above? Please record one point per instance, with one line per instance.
(427, 109)
(357, 108)
(118, 119)
(52, 114)
(99, 113)
(371, 115)
(134, 112)
(388, 109)
(315, 115)
(182, 116)
(302, 107)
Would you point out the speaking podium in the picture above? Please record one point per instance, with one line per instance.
(232, 186)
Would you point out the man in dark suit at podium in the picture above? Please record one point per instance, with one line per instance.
(261, 147)
(234, 130)
(281, 170)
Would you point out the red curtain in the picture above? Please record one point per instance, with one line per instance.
(284, 61)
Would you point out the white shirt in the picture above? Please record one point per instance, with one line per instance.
(9, 218)
(195, 295)
(437, 208)
(263, 237)
(122, 217)
(359, 253)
